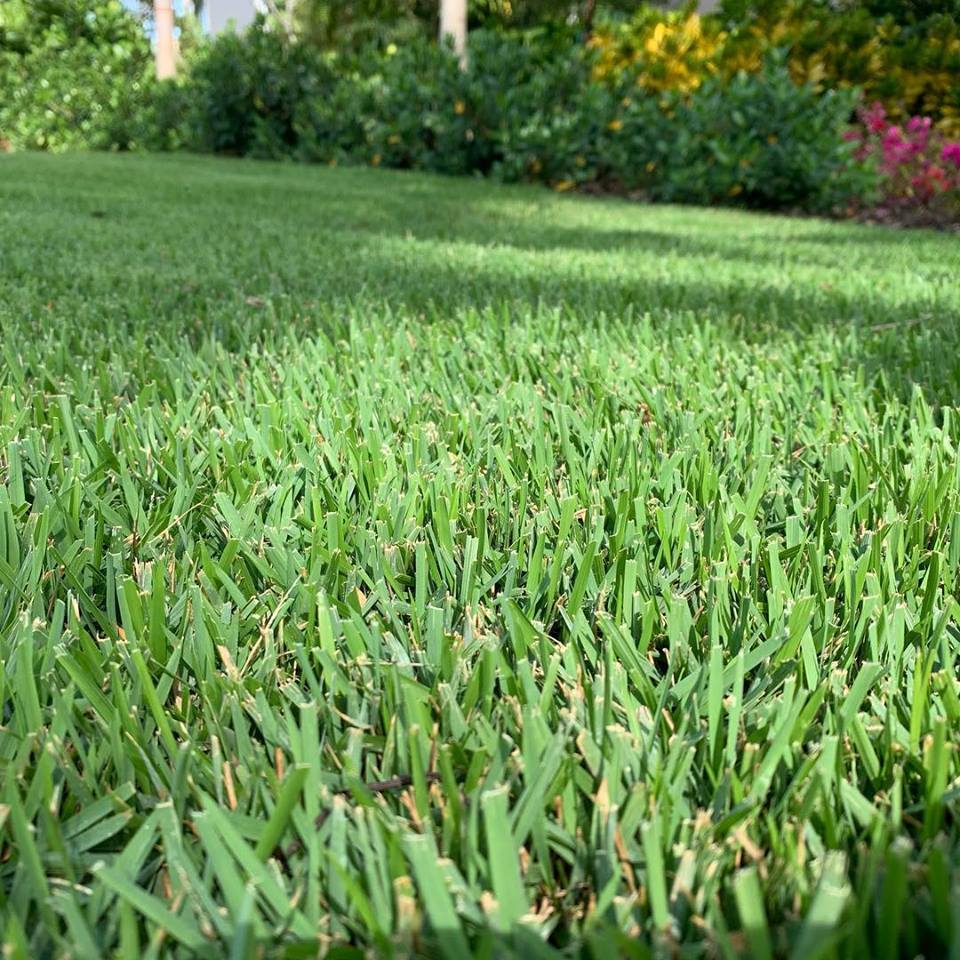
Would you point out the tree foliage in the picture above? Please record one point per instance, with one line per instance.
(71, 72)
(335, 24)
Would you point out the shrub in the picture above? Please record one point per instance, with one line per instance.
(909, 62)
(329, 124)
(518, 112)
(757, 139)
(73, 73)
(528, 108)
(768, 141)
(920, 168)
(525, 110)
(159, 122)
(912, 68)
(662, 51)
(522, 111)
(413, 112)
(245, 91)
(536, 105)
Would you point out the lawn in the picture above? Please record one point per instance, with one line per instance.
(433, 567)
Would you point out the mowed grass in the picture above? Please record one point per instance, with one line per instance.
(413, 566)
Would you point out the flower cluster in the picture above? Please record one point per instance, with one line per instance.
(665, 51)
(919, 167)
(912, 69)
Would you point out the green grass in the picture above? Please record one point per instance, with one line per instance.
(622, 542)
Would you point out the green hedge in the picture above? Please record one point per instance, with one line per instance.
(526, 109)
(72, 74)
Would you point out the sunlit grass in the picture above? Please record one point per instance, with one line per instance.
(431, 567)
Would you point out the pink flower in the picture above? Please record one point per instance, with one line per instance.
(916, 163)
(875, 117)
(951, 154)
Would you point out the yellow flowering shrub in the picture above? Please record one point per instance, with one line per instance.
(671, 51)
(910, 71)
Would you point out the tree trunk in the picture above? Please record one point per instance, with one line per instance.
(166, 55)
(453, 23)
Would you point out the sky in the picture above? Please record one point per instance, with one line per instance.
(136, 7)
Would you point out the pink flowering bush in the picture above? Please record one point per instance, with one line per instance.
(920, 169)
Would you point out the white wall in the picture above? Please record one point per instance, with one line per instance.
(219, 13)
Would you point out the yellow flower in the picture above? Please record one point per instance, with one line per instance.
(459, 107)
(391, 49)
(615, 125)
(655, 40)
(393, 138)
(375, 160)
(562, 186)
(651, 166)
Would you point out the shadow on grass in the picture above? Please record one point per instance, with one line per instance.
(520, 943)
(910, 339)
(909, 333)
(602, 941)
(232, 250)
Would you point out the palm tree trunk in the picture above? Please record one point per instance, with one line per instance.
(166, 55)
(453, 23)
